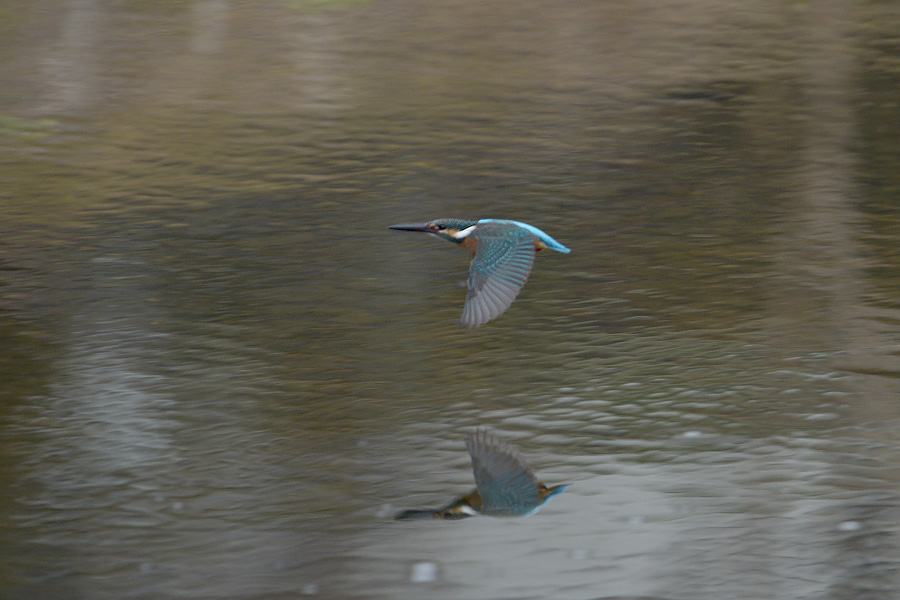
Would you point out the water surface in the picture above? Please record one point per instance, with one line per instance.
(221, 373)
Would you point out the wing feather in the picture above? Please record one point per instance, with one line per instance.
(506, 483)
(498, 271)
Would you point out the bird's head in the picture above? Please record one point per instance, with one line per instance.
(452, 230)
(465, 506)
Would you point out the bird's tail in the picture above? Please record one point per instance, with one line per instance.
(547, 493)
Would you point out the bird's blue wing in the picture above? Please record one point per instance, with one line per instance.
(506, 484)
(498, 271)
(540, 234)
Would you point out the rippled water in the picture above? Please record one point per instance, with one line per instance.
(220, 374)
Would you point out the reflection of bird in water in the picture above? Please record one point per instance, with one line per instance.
(505, 485)
(503, 254)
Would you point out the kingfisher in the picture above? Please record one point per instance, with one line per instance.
(503, 253)
(505, 486)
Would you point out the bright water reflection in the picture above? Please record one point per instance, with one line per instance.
(221, 374)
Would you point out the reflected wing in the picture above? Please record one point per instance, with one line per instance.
(500, 268)
(506, 484)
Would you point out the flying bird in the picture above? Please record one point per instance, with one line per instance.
(503, 255)
(505, 486)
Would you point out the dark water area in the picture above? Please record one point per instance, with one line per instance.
(221, 374)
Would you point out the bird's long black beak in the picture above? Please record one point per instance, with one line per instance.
(423, 227)
(416, 515)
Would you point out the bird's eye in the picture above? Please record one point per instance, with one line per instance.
(438, 226)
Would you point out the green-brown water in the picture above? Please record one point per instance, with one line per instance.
(220, 373)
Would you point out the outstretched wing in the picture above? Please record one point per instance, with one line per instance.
(506, 484)
(498, 271)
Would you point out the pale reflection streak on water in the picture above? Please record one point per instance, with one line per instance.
(242, 373)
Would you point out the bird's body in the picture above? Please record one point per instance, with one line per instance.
(503, 255)
(504, 485)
